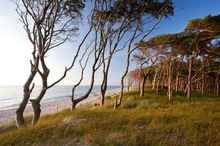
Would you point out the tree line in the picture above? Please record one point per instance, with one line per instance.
(187, 61)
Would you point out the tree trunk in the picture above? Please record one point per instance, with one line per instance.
(26, 95)
(76, 101)
(177, 83)
(142, 88)
(159, 80)
(203, 83)
(103, 87)
(154, 81)
(143, 85)
(217, 84)
(36, 105)
(189, 78)
(37, 111)
(19, 112)
(118, 102)
(102, 101)
(169, 80)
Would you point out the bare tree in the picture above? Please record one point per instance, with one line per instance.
(48, 25)
(98, 45)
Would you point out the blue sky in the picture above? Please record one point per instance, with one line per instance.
(15, 49)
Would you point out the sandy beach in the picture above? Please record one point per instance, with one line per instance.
(52, 106)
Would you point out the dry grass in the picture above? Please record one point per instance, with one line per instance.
(150, 120)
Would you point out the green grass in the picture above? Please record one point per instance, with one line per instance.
(149, 120)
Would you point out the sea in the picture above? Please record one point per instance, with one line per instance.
(11, 96)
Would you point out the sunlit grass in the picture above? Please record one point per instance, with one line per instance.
(149, 120)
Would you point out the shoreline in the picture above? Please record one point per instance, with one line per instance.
(49, 107)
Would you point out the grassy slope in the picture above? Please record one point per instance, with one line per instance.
(151, 120)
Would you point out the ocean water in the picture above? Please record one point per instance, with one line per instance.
(11, 96)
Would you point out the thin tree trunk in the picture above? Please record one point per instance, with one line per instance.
(189, 78)
(104, 84)
(103, 91)
(76, 101)
(143, 83)
(154, 80)
(203, 83)
(159, 80)
(142, 88)
(36, 102)
(169, 80)
(177, 83)
(217, 84)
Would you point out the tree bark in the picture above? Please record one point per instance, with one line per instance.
(155, 77)
(26, 94)
(143, 83)
(189, 78)
(19, 112)
(217, 84)
(169, 79)
(37, 111)
(36, 102)
(203, 83)
(177, 83)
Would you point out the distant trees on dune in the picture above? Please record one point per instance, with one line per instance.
(189, 60)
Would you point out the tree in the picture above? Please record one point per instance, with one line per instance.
(206, 29)
(157, 49)
(147, 61)
(150, 12)
(48, 25)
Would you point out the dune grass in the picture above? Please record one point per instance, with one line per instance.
(149, 120)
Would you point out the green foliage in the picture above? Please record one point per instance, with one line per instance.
(135, 9)
(151, 120)
(208, 22)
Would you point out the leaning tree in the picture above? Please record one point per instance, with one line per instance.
(203, 31)
(48, 24)
(146, 15)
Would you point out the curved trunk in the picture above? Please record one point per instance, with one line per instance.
(37, 111)
(19, 112)
(26, 95)
(104, 87)
(36, 102)
(36, 106)
(76, 101)
(118, 102)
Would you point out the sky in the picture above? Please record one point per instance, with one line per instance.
(15, 49)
